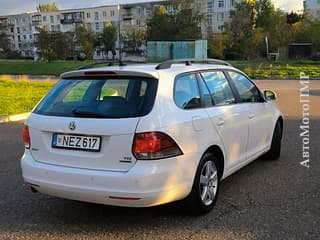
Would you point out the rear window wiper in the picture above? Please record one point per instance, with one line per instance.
(88, 114)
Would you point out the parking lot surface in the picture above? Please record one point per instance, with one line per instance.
(264, 200)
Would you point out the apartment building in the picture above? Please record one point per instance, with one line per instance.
(312, 8)
(23, 28)
(217, 12)
(7, 29)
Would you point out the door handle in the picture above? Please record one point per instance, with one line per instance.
(220, 122)
(251, 115)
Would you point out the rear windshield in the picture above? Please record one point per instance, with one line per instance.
(119, 97)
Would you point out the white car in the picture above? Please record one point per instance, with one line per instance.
(146, 135)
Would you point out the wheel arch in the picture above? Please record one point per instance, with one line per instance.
(218, 153)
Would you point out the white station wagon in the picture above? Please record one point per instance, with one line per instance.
(146, 135)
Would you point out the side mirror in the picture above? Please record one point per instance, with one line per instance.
(270, 95)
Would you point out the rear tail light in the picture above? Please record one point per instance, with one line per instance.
(154, 145)
(26, 136)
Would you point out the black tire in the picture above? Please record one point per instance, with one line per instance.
(194, 203)
(275, 150)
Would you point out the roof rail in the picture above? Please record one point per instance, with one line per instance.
(108, 63)
(188, 62)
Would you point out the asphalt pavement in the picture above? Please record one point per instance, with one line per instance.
(264, 200)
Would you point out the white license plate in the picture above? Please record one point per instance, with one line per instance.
(76, 142)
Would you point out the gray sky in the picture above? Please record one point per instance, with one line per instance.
(19, 6)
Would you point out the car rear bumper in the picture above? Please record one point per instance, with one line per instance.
(148, 183)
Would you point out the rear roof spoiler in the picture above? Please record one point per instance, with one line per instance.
(106, 73)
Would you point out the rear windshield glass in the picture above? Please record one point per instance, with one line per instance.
(120, 97)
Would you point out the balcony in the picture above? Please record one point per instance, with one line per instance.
(36, 20)
(127, 16)
(71, 18)
(70, 21)
(4, 23)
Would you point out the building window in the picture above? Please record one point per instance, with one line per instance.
(51, 19)
(138, 11)
(209, 20)
(220, 28)
(89, 26)
(220, 17)
(19, 38)
(58, 27)
(210, 7)
(88, 15)
(221, 3)
(96, 15)
(52, 27)
(24, 37)
(44, 18)
(138, 22)
(18, 30)
(104, 14)
(147, 11)
(170, 8)
(58, 17)
(112, 13)
(23, 19)
(30, 36)
(198, 6)
(97, 26)
(232, 3)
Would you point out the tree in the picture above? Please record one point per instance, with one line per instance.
(5, 47)
(52, 45)
(84, 41)
(107, 39)
(239, 30)
(217, 44)
(251, 22)
(307, 31)
(274, 24)
(49, 7)
(183, 22)
(135, 38)
(294, 17)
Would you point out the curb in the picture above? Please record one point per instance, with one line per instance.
(14, 118)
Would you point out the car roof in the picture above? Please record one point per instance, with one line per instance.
(144, 70)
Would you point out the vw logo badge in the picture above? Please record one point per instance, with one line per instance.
(72, 125)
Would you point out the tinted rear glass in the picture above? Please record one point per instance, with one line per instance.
(120, 97)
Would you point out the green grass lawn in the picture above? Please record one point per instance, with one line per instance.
(29, 67)
(279, 69)
(21, 96)
(255, 69)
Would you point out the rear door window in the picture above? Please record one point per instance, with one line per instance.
(219, 88)
(186, 92)
(119, 97)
